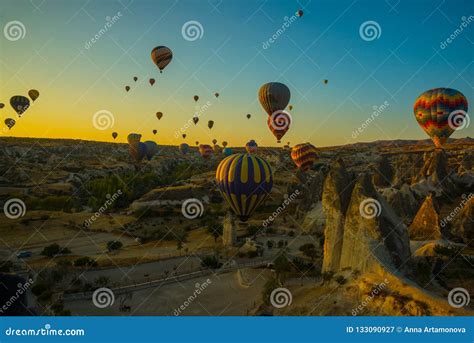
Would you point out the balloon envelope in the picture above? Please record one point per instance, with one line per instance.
(279, 123)
(19, 104)
(274, 96)
(9, 122)
(161, 56)
(205, 150)
(304, 155)
(251, 146)
(33, 94)
(152, 81)
(210, 124)
(151, 149)
(227, 151)
(159, 115)
(244, 181)
(439, 112)
(114, 134)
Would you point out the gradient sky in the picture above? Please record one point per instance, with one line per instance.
(325, 43)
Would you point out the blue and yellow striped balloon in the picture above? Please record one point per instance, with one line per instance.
(244, 181)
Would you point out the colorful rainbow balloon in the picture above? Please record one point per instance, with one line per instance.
(440, 112)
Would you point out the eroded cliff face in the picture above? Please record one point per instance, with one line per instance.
(335, 199)
(463, 223)
(425, 225)
(374, 236)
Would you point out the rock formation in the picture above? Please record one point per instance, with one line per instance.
(435, 167)
(403, 201)
(426, 226)
(229, 233)
(374, 236)
(383, 172)
(335, 199)
(463, 223)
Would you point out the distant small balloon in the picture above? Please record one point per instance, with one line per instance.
(214, 141)
(290, 107)
(216, 95)
(183, 135)
(197, 142)
(224, 144)
(299, 13)
(19, 103)
(325, 82)
(33, 94)
(114, 134)
(210, 124)
(10, 122)
(154, 132)
(152, 81)
(2, 105)
(159, 115)
(195, 120)
(127, 88)
(135, 78)
(249, 115)
(196, 98)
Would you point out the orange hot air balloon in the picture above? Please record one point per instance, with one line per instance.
(161, 56)
(304, 155)
(279, 123)
(127, 88)
(152, 81)
(159, 115)
(196, 98)
(205, 150)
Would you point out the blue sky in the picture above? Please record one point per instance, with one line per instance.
(405, 60)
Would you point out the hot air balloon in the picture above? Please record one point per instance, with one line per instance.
(224, 144)
(205, 150)
(159, 115)
(151, 149)
(214, 141)
(299, 13)
(244, 181)
(227, 151)
(210, 124)
(152, 81)
(249, 115)
(440, 112)
(19, 103)
(274, 96)
(161, 56)
(33, 94)
(197, 142)
(155, 131)
(216, 95)
(2, 105)
(290, 107)
(137, 149)
(196, 98)
(184, 148)
(304, 155)
(251, 146)
(195, 120)
(135, 78)
(279, 123)
(127, 88)
(114, 135)
(9, 122)
(183, 135)
(326, 82)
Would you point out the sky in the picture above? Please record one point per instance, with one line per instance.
(233, 55)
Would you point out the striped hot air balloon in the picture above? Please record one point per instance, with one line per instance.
(440, 112)
(274, 96)
(161, 56)
(244, 181)
(251, 146)
(304, 155)
(205, 150)
(279, 123)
